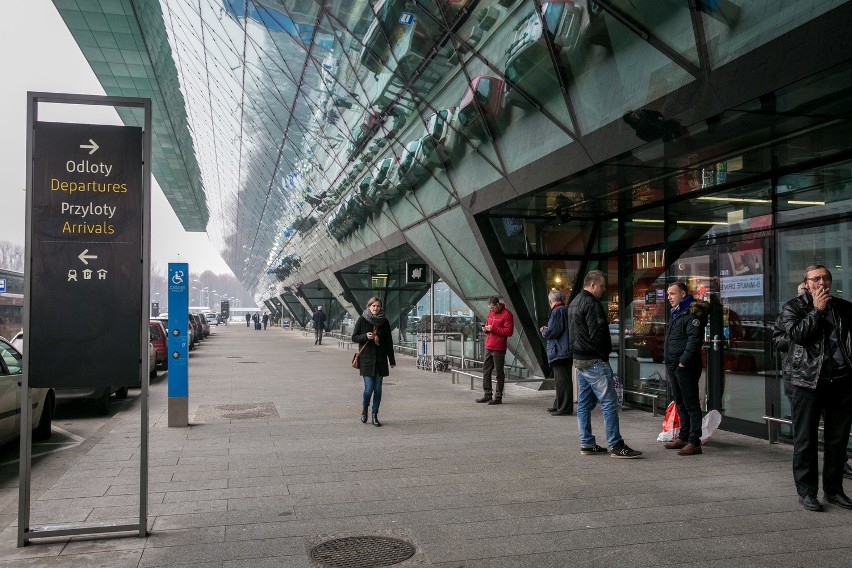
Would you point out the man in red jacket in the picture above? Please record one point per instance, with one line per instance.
(498, 327)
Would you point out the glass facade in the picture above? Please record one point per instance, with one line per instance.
(510, 145)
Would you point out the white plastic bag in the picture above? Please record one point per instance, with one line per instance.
(709, 424)
(668, 435)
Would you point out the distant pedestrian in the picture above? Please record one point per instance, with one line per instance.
(499, 327)
(559, 354)
(265, 320)
(248, 319)
(682, 355)
(319, 325)
(256, 319)
(372, 333)
(814, 330)
(403, 325)
(591, 345)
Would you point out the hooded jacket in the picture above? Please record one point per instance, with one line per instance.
(685, 335)
(800, 337)
(502, 327)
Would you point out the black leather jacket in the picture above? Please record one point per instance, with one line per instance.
(587, 328)
(800, 332)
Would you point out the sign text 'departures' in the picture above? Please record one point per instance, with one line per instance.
(86, 262)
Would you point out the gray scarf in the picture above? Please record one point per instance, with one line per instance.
(377, 319)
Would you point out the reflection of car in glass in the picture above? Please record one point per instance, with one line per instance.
(528, 61)
(43, 400)
(393, 20)
(648, 339)
(415, 164)
(365, 128)
(442, 127)
(482, 99)
(384, 179)
(745, 351)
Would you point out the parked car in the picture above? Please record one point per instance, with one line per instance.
(483, 99)
(159, 339)
(101, 396)
(190, 339)
(42, 400)
(205, 325)
(212, 319)
(18, 341)
(529, 64)
(197, 330)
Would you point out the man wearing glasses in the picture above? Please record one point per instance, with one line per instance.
(814, 330)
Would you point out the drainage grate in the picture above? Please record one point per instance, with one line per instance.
(362, 552)
(233, 356)
(246, 362)
(208, 413)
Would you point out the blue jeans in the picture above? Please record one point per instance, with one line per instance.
(595, 384)
(372, 388)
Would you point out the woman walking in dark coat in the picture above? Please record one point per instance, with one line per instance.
(372, 333)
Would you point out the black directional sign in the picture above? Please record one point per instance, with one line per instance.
(416, 273)
(86, 263)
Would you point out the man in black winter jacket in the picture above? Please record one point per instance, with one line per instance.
(814, 331)
(588, 333)
(682, 354)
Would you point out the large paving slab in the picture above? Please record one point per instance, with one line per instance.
(276, 461)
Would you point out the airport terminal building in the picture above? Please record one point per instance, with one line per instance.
(506, 147)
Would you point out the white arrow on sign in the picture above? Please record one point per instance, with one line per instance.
(84, 257)
(93, 147)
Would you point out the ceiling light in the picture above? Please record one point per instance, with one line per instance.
(702, 223)
(798, 202)
(647, 220)
(735, 199)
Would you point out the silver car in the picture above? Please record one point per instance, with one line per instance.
(43, 401)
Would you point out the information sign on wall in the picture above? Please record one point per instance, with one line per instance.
(86, 264)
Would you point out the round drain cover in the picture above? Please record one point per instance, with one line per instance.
(362, 552)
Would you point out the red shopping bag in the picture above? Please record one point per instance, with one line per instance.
(671, 420)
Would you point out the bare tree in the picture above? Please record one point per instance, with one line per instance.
(11, 256)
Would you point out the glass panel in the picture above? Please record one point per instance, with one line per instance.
(735, 27)
(710, 216)
(614, 71)
(822, 192)
(645, 229)
(829, 245)
(668, 21)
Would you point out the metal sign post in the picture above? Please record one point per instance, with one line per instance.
(88, 250)
(178, 331)
(432, 315)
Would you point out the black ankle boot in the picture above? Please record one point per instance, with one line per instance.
(376, 420)
(364, 415)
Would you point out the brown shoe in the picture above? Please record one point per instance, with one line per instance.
(690, 450)
(675, 444)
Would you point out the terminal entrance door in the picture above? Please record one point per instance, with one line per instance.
(729, 277)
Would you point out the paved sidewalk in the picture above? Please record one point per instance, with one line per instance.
(277, 461)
